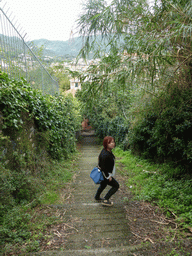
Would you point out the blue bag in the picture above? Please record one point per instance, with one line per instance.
(96, 175)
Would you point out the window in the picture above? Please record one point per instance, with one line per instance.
(76, 84)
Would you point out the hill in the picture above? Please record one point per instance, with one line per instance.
(13, 46)
(68, 49)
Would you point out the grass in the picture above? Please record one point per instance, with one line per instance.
(24, 225)
(157, 183)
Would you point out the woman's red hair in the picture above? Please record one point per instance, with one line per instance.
(107, 140)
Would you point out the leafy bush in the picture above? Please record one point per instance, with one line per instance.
(105, 108)
(55, 114)
(22, 226)
(14, 225)
(34, 130)
(165, 131)
(116, 127)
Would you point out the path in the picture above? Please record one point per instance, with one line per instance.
(101, 230)
(90, 229)
(96, 230)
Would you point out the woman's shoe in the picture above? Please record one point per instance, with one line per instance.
(106, 202)
(99, 199)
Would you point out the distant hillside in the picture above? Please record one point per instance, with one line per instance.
(65, 49)
(57, 49)
(68, 49)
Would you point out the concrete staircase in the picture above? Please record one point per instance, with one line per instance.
(97, 230)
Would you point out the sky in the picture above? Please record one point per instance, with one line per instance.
(47, 19)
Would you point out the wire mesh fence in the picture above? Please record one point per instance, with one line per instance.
(19, 59)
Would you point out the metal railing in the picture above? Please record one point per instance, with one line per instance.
(19, 59)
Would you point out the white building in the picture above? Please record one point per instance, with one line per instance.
(80, 66)
(75, 84)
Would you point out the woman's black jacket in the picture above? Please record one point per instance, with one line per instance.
(106, 162)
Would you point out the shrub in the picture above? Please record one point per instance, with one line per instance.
(14, 226)
(116, 127)
(53, 119)
(165, 131)
(34, 128)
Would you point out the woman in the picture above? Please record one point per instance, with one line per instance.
(107, 165)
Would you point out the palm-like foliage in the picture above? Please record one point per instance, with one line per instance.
(157, 38)
(146, 75)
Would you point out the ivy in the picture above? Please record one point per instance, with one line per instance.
(34, 130)
(56, 115)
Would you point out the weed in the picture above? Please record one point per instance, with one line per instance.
(173, 253)
(151, 182)
(23, 226)
(125, 199)
(87, 247)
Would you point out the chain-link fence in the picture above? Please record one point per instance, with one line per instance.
(19, 58)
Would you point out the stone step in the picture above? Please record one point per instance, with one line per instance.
(96, 230)
(90, 152)
(92, 208)
(96, 216)
(95, 244)
(102, 227)
(98, 222)
(120, 237)
(87, 251)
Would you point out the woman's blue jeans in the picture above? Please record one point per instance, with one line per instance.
(113, 183)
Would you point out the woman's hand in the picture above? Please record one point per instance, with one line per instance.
(110, 179)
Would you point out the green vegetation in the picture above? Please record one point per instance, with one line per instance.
(37, 142)
(155, 183)
(54, 118)
(62, 76)
(23, 227)
(104, 114)
(164, 130)
(140, 93)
